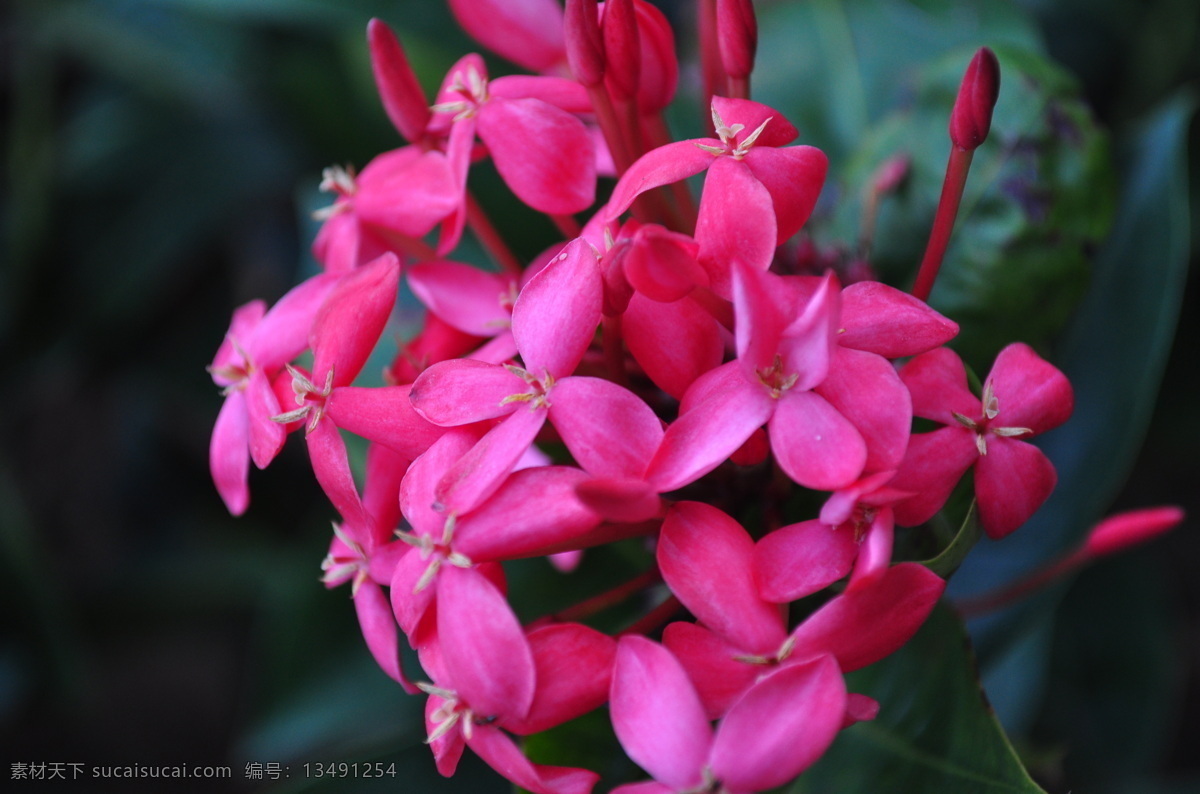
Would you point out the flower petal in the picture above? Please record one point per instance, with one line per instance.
(814, 444)
(800, 559)
(1012, 481)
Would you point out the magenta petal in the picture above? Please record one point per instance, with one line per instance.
(266, 436)
(656, 714)
(462, 391)
(1012, 481)
(706, 559)
(750, 114)
(708, 433)
(535, 512)
(662, 264)
(409, 604)
(352, 318)
(859, 708)
(712, 665)
(609, 430)
(501, 754)
(477, 629)
(675, 343)
(384, 415)
(872, 619)
(379, 630)
(662, 166)
(814, 444)
(284, 330)
(780, 727)
(763, 311)
(882, 319)
(556, 315)
(448, 748)
(800, 559)
(932, 467)
(810, 340)
(407, 195)
(624, 500)
(228, 453)
(465, 297)
(401, 94)
(479, 473)
(574, 666)
(937, 381)
(875, 552)
(1031, 392)
(418, 499)
(645, 787)
(542, 153)
(527, 32)
(793, 177)
(736, 222)
(560, 92)
(241, 329)
(331, 466)
(865, 388)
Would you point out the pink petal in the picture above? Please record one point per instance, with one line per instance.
(476, 629)
(872, 620)
(241, 330)
(352, 318)
(800, 559)
(675, 343)
(624, 500)
(479, 472)
(527, 32)
(750, 114)
(656, 714)
(814, 444)
(875, 552)
(932, 467)
(1012, 481)
(609, 430)
(448, 748)
(331, 466)
(465, 297)
(409, 604)
(379, 630)
(1031, 392)
(408, 194)
(780, 727)
(662, 166)
(266, 436)
(793, 177)
(284, 331)
(659, 63)
(418, 499)
(712, 665)
(401, 94)
(501, 754)
(708, 433)
(882, 319)
(228, 453)
(556, 315)
(706, 559)
(574, 666)
(535, 512)
(459, 148)
(662, 265)
(763, 309)
(937, 382)
(1125, 530)
(462, 391)
(865, 388)
(810, 341)
(384, 415)
(542, 153)
(736, 223)
(560, 92)
(645, 787)
(859, 708)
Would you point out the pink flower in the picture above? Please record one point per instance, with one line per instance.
(1023, 396)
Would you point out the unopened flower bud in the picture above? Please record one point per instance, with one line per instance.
(737, 36)
(1124, 530)
(622, 48)
(972, 115)
(403, 99)
(584, 44)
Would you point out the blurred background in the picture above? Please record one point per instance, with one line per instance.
(161, 164)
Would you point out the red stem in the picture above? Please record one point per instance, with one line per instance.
(655, 618)
(1003, 596)
(943, 221)
(609, 598)
(491, 240)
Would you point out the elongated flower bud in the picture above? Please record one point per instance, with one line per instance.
(585, 46)
(737, 36)
(402, 96)
(1122, 531)
(622, 48)
(972, 115)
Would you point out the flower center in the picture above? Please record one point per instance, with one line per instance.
(472, 90)
(775, 379)
(310, 399)
(982, 426)
(538, 395)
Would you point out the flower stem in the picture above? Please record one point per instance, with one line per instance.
(490, 238)
(655, 618)
(1003, 596)
(609, 598)
(943, 221)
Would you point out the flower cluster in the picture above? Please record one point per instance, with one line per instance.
(663, 373)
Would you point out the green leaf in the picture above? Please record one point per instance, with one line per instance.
(935, 730)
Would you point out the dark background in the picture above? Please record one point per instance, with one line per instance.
(161, 159)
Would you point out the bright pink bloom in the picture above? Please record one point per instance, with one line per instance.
(774, 731)
(1124, 530)
(256, 347)
(1023, 396)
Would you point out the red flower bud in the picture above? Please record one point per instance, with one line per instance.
(402, 96)
(1120, 532)
(585, 47)
(972, 115)
(737, 36)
